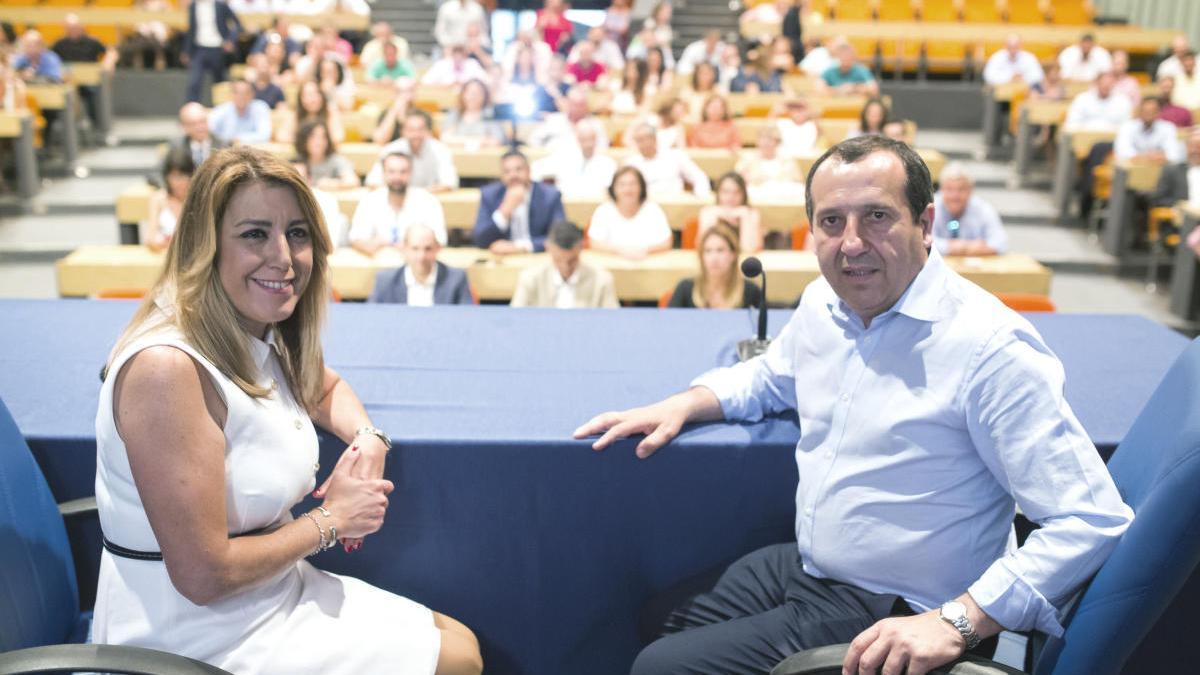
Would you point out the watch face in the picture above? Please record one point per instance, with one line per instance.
(953, 610)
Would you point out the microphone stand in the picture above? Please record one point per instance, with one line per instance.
(752, 347)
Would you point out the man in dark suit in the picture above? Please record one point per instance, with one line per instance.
(212, 32)
(515, 214)
(423, 281)
(1177, 181)
(197, 137)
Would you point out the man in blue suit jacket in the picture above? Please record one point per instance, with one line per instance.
(212, 32)
(515, 214)
(423, 281)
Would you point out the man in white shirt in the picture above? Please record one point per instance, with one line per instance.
(708, 49)
(565, 281)
(665, 170)
(798, 132)
(433, 165)
(243, 118)
(1013, 64)
(577, 168)
(385, 213)
(605, 51)
(453, 17)
(1172, 66)
(929, 411)
(423, 281)
(1187, 83)
(453, 69)
(382, 32)
(1083, 62)
(1147, 138)
(531, 40)
(1099, 107)
(820, 59)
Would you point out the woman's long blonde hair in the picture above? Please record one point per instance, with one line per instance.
(189, 296)
(734, 291)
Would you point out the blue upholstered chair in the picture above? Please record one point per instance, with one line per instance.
(41, 628)
(1157, 470)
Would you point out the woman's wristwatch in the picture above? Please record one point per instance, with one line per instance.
(377, 433)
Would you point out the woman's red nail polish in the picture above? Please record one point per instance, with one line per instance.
(354, 448)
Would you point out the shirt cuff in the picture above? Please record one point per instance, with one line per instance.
(719, 382)
(500, 221)
(1013, 603)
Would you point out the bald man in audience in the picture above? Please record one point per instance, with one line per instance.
(197, 137)
(1099, 108)
(577, 168)
(847, 76)
(35, 63)
(1083, 62)
(382, 33)
(565, 281)
(1013, 64)
(423, 281)
(963, 223)
(666, 170)
(1172, 65)
(559, 127)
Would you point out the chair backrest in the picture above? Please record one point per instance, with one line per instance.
(37, 575)
(1027, 302)
(1157, 470)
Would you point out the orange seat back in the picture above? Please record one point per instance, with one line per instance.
(120, 294)
(691, 229)
(799, 236)
(1027, 302)
(665, 299)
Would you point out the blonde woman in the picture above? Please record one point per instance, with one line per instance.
(734, 211)
(719, 285)
(205, 441)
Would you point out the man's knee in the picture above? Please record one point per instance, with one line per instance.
(665, 655)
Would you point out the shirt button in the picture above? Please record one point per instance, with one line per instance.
(808, 512)
(274, 385)
(845, 398)
(316, 467)
(298, 425)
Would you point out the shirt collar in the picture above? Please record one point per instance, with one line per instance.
(922, 300)
(559, 282)
(410, 279)
(261, 349)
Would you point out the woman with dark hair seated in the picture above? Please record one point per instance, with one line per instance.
(719, 285)
(471, 123)
(629, 225)
(166, 204)
(734, 211)
(872, 119)
(311, 106)
(325, 168)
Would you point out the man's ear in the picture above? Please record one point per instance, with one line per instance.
(926, 223)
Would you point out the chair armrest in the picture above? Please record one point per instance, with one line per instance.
(101, 659)
(828, 661)
(77, 507)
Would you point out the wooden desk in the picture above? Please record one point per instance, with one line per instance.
(19, 127)
(1185, 276)
(63, 99)
(89, 269)
(1073, 146)
(1128, 181)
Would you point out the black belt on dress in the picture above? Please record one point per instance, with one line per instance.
(153, 556)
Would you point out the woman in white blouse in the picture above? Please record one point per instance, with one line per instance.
(628, 224)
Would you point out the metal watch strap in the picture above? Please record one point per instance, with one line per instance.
(970, 637)
(377, 433)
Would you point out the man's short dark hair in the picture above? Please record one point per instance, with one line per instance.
(918, 186)
(565, 234)
(417, 112)
(395, 153)
(513, 152)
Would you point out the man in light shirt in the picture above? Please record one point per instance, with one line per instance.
(963, 223)
(577, 168)
(1172, 65)
(565, 281)
(531, 40)
(1147, 138)
(515, 214)
(1181, 182)
(666, 170)
(423, 281)
(604, 50)
(1013, 64)
(929, 411)
(453, 17)
(453, 69)
(1085, 61)
(1099, 107)
(386, 213)
(708, 49)
(381, 33)
(433, 165)
(1187, 83)
(243, 118)
(558, 128)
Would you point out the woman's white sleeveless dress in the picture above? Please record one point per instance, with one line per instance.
(302, 620)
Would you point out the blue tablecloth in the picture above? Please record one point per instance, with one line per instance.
(544, 547)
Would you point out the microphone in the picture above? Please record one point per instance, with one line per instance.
(752, 347)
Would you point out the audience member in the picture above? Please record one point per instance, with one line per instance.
(734, 211)
(750, 79)
(197, 137)
(607, 52)
(821, 58)
(432, 163)
(798, 131)
(617, 19)
(645, 42)
(212, 32)
(453, 17)
(338, 47)
(515, 213)
(381, 34)
(335, 221)
(848, 76)
(631, 95)
(560, 127)
(336, 83)
(76, 46)
(705, 50)
(146, 45)
(665, 170)
(898, 130)
(872, 118)
(422, 281)
(453, 69)
(1084, 61)
(565, 282)
(1052, 87)
(587, 71)
(1147, 138)
(716, 128)
(166, 204)
(258, 74)
(729, 66)
(478, 50)
(793, 27)
(282, 72)
(1180, 182)
(1013, 64)
(1187, 83)
(1125, 84)
(659, 25)
(386, 213)
(701, 88)
(720, 284)
(554, 26)
(323, 165)
(659, 74)
(963, 223)
(279, 31)
(1172, 65)
(389, 67)
(1099, 107)
(577, 169)
(392, 119)
(470, 124)
(313, 106)
(779, 59)
(766, 13)
(1178, 115)
(629, 224)
(767, 170)
(242, 119)
(539, 52)
(12, 93)
(35, 63)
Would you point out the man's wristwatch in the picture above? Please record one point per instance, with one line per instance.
(377, 433)
(955, 614)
